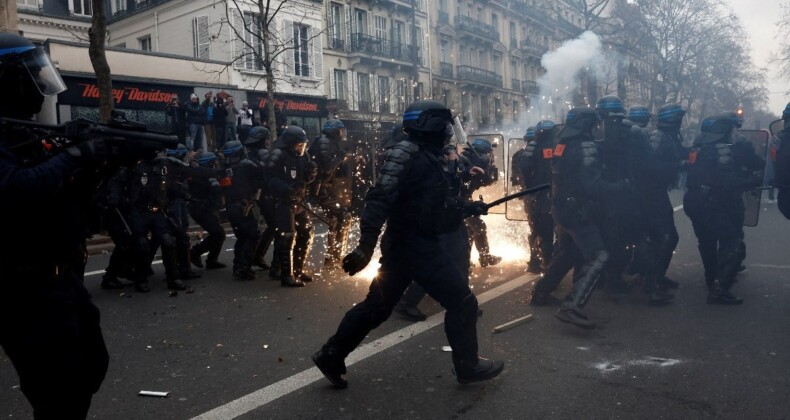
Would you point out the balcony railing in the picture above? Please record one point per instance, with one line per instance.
(515, 84)
(528, 10)
(528, 86)
(337, 44)
(533, 48)
(444, 18)
(446, 69)
(382, 48)
(474, 26)
(474, 74)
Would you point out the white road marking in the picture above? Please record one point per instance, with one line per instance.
(302, 379)
(783, 267)
(677, 209)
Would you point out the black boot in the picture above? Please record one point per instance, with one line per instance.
(110, 282)
(480, 370)
(245, 274)
(332, 366)
(214, 265)
(719, 294)
(488, 259)
(284, 248)
(571, 314)
(141, 286)
(195, 256)
(176, 284)
(657, 292)
(544, 299)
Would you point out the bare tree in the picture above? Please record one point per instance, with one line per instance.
(262, 45)
(782, 57)
(98, 38)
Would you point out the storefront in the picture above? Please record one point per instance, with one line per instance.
(145, 102)
(308, 112)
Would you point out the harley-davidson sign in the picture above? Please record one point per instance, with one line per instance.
(125, 94)
(309, 106)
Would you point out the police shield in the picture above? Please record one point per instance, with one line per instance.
(751, 199)
(498, 188)
(776, 127)
(514, 209)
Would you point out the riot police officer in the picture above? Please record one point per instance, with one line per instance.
(515, 173)
(719, 171)
(241, 186)
(577, 188)
(534, 168)
(782, 165)
(289, 171)
(413, 197)
(619, 212)
(334, 186)
(659, 165)
(49, 328)
(257, 150)
(480, 154)
(206, 201)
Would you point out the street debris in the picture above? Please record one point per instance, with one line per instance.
(447, 348)
(512, 324)
(153, 394)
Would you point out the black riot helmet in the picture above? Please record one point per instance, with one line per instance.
(530, 134)
(27, 76)
(718, 127)
(610, 106)
(334, 129)
(426, 117)
(257, 137)
(670, 116)
(206, 159)
(294, 138)
(234, 152)
(180, 152)
(580, 120)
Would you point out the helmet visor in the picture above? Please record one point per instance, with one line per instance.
(43, 73)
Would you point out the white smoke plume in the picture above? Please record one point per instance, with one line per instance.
(561, 80)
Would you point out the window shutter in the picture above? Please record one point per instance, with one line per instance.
(374, 93)
(347, 28)
(201, 37)
(288, 40)
(237, 23)
(352, 93)
(317, 52)
(369, 17)
(332, 93)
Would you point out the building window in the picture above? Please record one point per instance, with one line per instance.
(397, 31)
(249, 51)
(360, 21)
(145, 43)
(121, 45)
(118, 7)
(336, 27)
(339, 87)
(29, 3)
(81, 7)
(301, 51)
(401, 95)
(363, 87)
(381, 27)
(384, 94)
(443, 52)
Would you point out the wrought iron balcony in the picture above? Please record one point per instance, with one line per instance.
(474, 74)
(380, 47)
(533, 48)
(446, 69)
(528, 86)
(515, 84)
(528, 10)
(337, 44)
(475, 27)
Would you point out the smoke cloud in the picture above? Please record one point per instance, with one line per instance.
(561, 80)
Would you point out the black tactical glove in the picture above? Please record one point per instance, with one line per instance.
(475, 208)
(91, 151)
(358, 259)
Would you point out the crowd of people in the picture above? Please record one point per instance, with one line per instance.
(209, 124)
(608, 212)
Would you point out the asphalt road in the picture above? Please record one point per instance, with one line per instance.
(242, 348)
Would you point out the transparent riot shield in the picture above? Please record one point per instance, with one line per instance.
(498, 188)
(514, 209)
(751, 199)
(776, 127)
